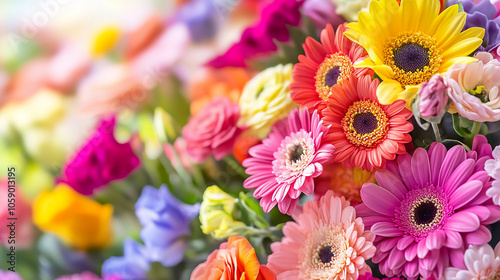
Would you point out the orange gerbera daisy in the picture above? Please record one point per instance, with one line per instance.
(364, 132)
(324, 65)
(234, 259)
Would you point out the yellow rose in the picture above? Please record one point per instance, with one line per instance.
(266, 99)
(79, 221)
(216, 213)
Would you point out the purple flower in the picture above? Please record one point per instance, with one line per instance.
(101, 160)
(482, 14)
(200, 16)
(433, 97)
(87, 275)
(322, 12)
(165, 222)
(259, 38)
(134, 263)
(9, 275)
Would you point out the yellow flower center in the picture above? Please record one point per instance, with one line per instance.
(481, 93)
(333, 70)
(413, 57)
(365, 123)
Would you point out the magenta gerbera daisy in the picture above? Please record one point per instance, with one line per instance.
(326, 242)
(284, 165)
(428, 208)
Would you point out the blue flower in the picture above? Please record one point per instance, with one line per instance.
(133, 265)
(165, 222)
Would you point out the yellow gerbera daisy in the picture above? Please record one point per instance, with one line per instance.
(407, 44)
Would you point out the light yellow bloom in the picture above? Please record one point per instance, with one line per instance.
(266, 99)
(79, 221)
(349, 8)
(216, 213)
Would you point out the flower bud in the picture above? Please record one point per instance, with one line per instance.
(433, 97)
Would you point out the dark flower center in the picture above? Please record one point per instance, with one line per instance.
(425, 213)
(326, 254)
(411, 57)
(332, 76)
(296, 152)
(365, 123)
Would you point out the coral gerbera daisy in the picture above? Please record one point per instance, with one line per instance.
(326, 242)
(284, 165)
(483, 262)
(324, 65)
(364, 132)
(428, 208)
(409, 43)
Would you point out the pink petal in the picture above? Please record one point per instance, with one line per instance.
(391, 182)
(420, 167)
(453, 239)
(435, 240)
(437, 152)
(386, 229)
(462, 222)
(478, 237)
(465, 193)
(372, 195)
(411, 252)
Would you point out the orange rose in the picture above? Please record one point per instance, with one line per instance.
(236, 260)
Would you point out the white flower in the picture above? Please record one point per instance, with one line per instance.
(482, 263)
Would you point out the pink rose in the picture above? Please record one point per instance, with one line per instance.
(433, 97)
(213, 130)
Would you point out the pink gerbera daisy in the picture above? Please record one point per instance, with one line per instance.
(428, 208)
(284, 165)
(326, 241)
(482, 262)
(364, 132)
(324, 65)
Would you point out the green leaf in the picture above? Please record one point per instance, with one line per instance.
(251, 211)
(457, 126)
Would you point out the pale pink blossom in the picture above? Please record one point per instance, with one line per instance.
(482, 262)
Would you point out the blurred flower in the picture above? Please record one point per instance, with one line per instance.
(476, 96)
(266, 99)
(67, 67)
(323, 66)
(143, 35)
(213, 130)
(179, 152)
(492, 166)
(346, 182)
(258, 39)
(326, 241)
(365, 133)
(216, 213)
(87, 275)
(285, 164)
(322, 12)
(201, 17)
(112, 87)
(100, 161)
(433, 96)
(434, 206)
(66, 213)
(9, 275)
(24, 231)
(211, 83)
(165, 224)
(482, 13)
(481, 261)
(105, 40)
(134, 264)
(234, 259)
(349, 8)
(243, 143)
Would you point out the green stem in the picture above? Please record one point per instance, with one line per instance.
(476, 127)
(435, 128)
(236, 166)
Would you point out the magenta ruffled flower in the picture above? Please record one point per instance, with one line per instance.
(284, 165)
(428, 208)
(213, 130)
(87, 275)
(369, 276)
(101, 160)
(260, 37)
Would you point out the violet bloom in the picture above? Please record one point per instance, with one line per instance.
(258, 38)
(134, 263)
(201, 18)
(9, 275)
(482, 14)
(165, 222)
(101, 160)
(322, 12)
(428, 208)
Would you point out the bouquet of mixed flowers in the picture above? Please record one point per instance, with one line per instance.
(328, 140)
